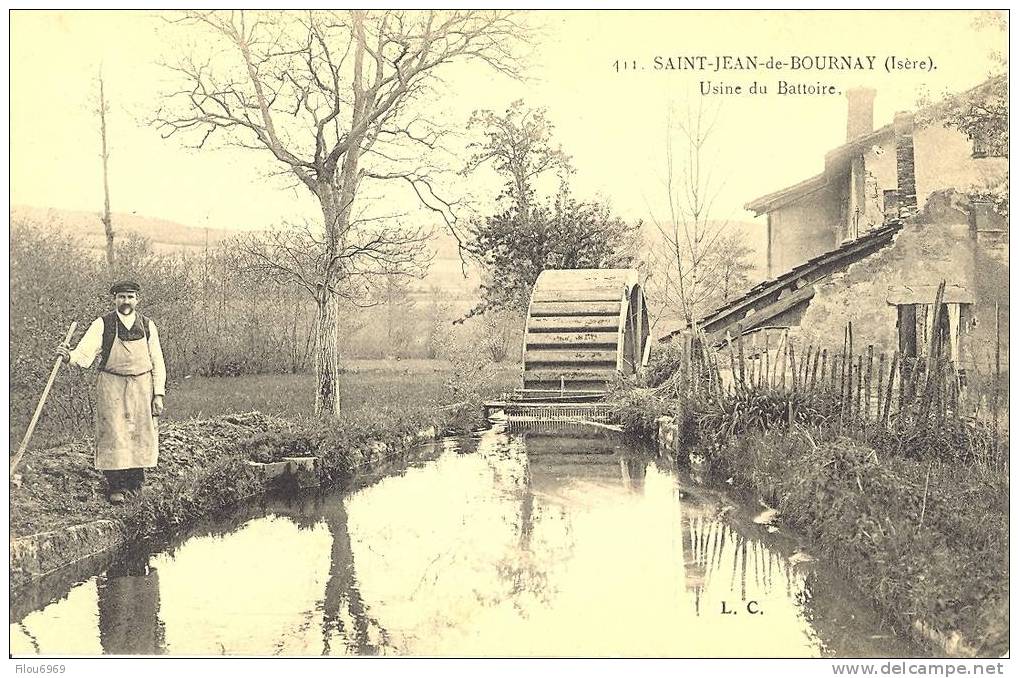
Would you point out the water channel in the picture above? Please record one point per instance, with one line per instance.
(496, 545)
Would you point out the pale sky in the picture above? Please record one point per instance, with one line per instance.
(612, 123)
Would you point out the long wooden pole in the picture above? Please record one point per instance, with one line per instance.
(891, 383)
(849, 367)
(107, 218)
(42, 401)
(880, 386)
(792, 365)
(732, 366)
(866, 385)
(997, 379)
(857, 417)
(742, 358)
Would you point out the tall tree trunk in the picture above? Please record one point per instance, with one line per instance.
(107, 217)
(327, 358)
(336, 198)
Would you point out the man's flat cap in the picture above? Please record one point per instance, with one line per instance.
(125, 286)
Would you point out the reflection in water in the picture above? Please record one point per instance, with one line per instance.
(344, 619)
(710, 543)
(633, 470)
(507, 545)
(129, 608)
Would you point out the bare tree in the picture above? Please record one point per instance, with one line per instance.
(698, 255)
(499, 330)
(399, 310)
(731, 264)
(439, 337)
(107, 217)
(371, 263)
(333, 98)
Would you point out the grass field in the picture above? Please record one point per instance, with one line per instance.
(365, 385)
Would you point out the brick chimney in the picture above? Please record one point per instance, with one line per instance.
(860, 118)
(904, 165)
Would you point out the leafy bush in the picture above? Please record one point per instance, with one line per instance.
(212, 317)
(762, 410)
(637, 410)
(502, 333)
(471, 382)
(665, 361)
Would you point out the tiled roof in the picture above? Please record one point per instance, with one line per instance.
(835, 259)
(766, 203)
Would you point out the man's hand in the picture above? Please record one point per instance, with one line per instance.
(64, 352)
(157, 405)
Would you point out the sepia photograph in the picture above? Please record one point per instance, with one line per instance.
(509, 333)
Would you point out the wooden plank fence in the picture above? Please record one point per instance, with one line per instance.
(867, 388)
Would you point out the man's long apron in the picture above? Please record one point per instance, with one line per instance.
(126, 432)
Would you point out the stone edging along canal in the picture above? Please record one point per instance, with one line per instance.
(35, 556)
(951, 644)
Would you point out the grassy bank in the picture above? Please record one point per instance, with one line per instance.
(928, 541)
(920, 525)
(204, 447)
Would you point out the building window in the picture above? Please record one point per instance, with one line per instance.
(916, 330)
(989, 143)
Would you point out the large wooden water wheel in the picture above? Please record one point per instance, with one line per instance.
(585, 328)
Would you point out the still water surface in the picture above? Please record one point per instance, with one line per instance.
(503, 545)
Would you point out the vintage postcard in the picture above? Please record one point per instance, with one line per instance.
(510, 333)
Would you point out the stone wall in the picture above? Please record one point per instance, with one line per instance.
(991, 270)
(879, 161)
(942, 159)
(918, 257)
(803, 230)
(937, 246)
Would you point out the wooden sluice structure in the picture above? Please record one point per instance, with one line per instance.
(586, 329)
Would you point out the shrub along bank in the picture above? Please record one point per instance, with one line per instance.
(922, 527)
(204, 448)
(203, 468)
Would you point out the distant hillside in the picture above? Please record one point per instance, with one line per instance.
(445, 279)
(166, 236)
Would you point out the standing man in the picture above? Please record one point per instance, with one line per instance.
(129, 390)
